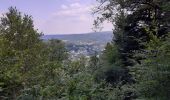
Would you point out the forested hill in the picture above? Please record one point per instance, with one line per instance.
(100, 37)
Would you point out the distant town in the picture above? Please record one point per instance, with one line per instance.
(86, 49)
(86, 45)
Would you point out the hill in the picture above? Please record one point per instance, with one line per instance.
(98, 37)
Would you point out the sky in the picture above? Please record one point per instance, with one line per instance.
(57, 16)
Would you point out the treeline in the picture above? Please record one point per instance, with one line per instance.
(134, 66)
(140, 50)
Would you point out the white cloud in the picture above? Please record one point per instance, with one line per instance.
(74, 9)
(67, 26)
(75, 5)
(64, 7)
(71, 18)
(83, 18)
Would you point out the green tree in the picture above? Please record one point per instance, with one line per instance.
(130, 18)
(109, 66)
(94, 62)
(57, 50)
(20, 51)
(137, 23)
(55, 54)
(152, 75)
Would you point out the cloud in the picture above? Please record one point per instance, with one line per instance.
(62, 16)
(74, 9)
(67, 26)
(74, 12)
(75, 5)
(70, 18)
(64, 7)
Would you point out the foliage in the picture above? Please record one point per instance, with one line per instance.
(141, 26)
(20, 49)
(32, 69)
(153, 74)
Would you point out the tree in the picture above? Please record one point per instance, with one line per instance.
(137, 23)
(130, 17)
(20, 51)
(55, 54)
(94, 62)
(152, 75)
(57, 50)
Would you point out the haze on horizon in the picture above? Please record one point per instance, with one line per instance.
(57, 16)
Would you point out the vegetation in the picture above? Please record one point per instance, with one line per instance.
(141, 38)
(134, 66)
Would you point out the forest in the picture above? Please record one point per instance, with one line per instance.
(134, 66)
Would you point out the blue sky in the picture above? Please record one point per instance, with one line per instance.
(57, 16)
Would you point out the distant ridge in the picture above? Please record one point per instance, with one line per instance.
(100, 37)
